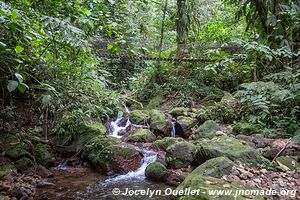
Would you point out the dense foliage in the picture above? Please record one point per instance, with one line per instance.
(47, 53)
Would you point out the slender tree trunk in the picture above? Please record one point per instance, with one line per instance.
(182, 29)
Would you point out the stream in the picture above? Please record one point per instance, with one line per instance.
(84, 183)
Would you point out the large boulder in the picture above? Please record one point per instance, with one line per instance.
(160, 125)
(81, 134)
(207, 130)
(181, 111)
(108, 155)
(183, 126)
(203, 186)
(42, 155)
(156, 171)
(141, 117)
(228, 147)
(215, 167)
(142, 135)
(24, 164)
(180, 155)
(167, 141)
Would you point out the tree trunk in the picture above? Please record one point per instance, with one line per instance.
(182, 29)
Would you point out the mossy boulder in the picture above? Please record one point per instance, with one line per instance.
(244, 128)
(24, 164)
(13, 147)
(167, 141)
(182, 111)
(180, 155)
(160, 125)
(156, 171)
(215, 167)
(6, 169)
(183, 126)
(228, 147)
(207, 130)
(289, 162)
(155, 102)
(142, 135)
(42, 155)
(206, 184)
(108, 155)
(139, 116)
(84, 132)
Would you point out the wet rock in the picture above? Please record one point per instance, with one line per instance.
(181, 111)
(156, 171)
(167, 141)
(207, 130)
(85, 131)
(43, 155)
(160, 125)
(142, 135)
(180, 155)
(228, 147)
(183, 126)
(141, 117)
(108, 155)
(215, 167)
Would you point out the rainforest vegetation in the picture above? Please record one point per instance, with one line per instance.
(203, 83)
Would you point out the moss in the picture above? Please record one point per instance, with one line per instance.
(215, 167)
(207, 130)
(228, 147)
(167, 141)
(6, 169)
(23, 164)
(155, 102)
(180, 111)
(156, 115)
(142, 135)
(16, 151)
(206, 183)
(156, 171)
(42, 155)
(181, 154)
(84, 132)
(244, 129)
(139, 116)
(289, 162)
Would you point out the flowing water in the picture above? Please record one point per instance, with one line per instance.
(85, 184)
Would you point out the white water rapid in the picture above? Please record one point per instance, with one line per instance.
(149, 156)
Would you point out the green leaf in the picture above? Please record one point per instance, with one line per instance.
(12, 85)
(3, 44)
(19, 77)
(14, 14)
(19, 49)
(22, 87)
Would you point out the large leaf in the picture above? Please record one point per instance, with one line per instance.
(12, 85)
(19, 49)
(22, 87)
(19, 77)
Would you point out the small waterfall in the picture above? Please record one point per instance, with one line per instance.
(62, 166)
(149, 156)
(173, 131)
(115, 127)
(139, 174)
